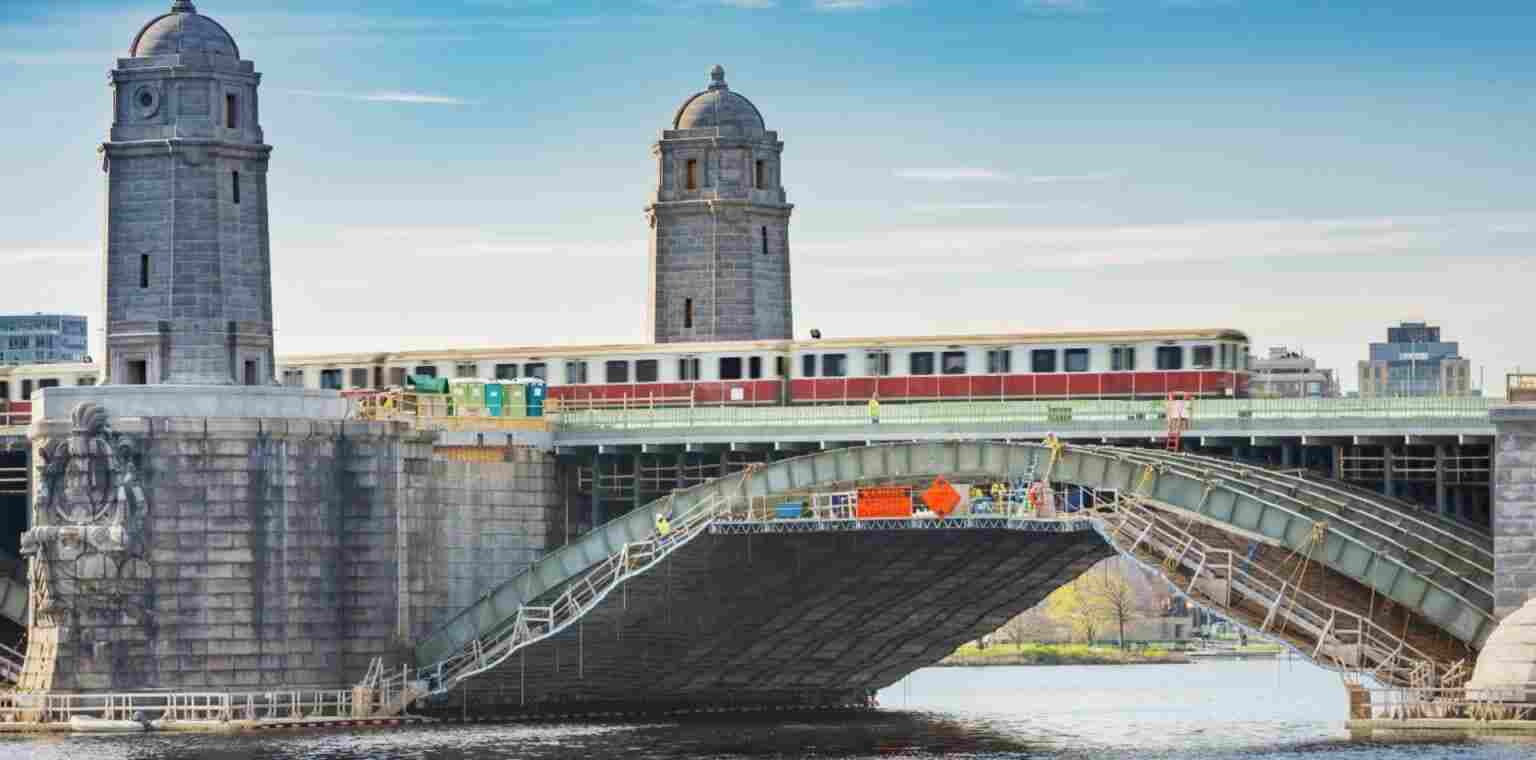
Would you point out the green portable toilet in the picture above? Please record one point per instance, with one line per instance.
(535, 398)
(495, 394)
(468, 396)
(512, 403)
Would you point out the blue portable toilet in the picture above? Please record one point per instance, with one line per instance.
(536, 392)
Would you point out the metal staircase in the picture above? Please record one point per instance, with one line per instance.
(535, 622)
(1232, 587)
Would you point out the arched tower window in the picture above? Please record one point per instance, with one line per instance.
(765, 237)
(231, 111)
(693, 174)
(762, 170)
(688, 312)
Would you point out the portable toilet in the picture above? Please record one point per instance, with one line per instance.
(495, 396)
(536, 392)
(514, 402)
(468, 395)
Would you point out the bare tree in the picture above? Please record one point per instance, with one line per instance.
(1029, 625)
(1116, 600)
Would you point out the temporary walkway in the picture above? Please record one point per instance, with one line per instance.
(866, 610)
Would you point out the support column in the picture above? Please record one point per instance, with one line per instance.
(598, 493)
(1387, 486)
(682, 471)
(1513, 509)
(1442, 504)
(1338, 461)
(1287, 455)
(638, 500)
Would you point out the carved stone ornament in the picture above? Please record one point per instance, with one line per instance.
(88, 562)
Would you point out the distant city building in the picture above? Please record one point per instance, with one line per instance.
(1290, 374)
(42, 339)
(1415, 362)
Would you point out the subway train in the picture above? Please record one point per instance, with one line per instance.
(1037, 365)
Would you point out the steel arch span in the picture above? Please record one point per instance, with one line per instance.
(735, 610)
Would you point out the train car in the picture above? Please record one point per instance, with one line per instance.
(1119, 364)
(18, 383)
(1125, 364)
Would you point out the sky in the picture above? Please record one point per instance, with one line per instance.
(474, 172)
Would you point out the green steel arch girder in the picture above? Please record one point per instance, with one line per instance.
(1379, 555)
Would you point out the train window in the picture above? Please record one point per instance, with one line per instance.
(688, 369)
(1122, 358)
(536, 369)
(575, 373)
(1170, 357)
(616, 371)
(425, 370)
(359, 377)
(646, 371)
(397, 376)
(953, 362)
(330, 379)
(47, 382)
(1204, 358)
(808, 365)
(5, 391)
(877, 363)
(293, 378)
(26, 390)
(466, 369)
(781, 365)
(834, 365)
(506, 372)
(85, 380)
(730, 368)
(755, 367)
(1075, 360)
(920, 363)
(999, 361)
(1042, 360)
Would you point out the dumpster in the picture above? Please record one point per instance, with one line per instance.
(468, 396)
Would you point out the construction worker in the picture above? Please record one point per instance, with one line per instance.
(663, 526)
(874, 409)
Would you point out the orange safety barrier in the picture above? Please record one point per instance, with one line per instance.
(889, 501)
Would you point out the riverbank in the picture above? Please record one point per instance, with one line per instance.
(1059, 654)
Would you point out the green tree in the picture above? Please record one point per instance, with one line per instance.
(1075, 605)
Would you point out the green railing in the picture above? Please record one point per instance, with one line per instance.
(1063, 414)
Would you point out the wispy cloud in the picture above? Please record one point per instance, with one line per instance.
(981, 174)
(59, 57)
(964, 174)
(748, 3)
(852, 5)
(983, 249)
(1060, 7)
(992, 206)
(414, 98)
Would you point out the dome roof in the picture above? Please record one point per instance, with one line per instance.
(182, 30)
(718, 107)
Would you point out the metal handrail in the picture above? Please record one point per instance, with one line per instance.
(1351, 643)
(534, 623)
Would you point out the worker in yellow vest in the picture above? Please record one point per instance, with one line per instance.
(874, 409)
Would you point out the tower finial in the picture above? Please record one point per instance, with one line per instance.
(183, 6)
(717, 77)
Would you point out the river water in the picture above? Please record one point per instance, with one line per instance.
(1206, 711)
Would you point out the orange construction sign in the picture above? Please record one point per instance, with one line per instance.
(941, 497)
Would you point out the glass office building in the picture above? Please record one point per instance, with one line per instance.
(42, 339)
(1415, 362)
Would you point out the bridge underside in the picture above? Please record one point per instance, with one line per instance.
(802, 618)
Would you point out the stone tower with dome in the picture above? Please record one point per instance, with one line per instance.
(719, 244)
(188, 263)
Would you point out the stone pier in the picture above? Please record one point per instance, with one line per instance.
(191, 553)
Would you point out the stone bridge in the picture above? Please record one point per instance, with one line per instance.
(740, 610)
